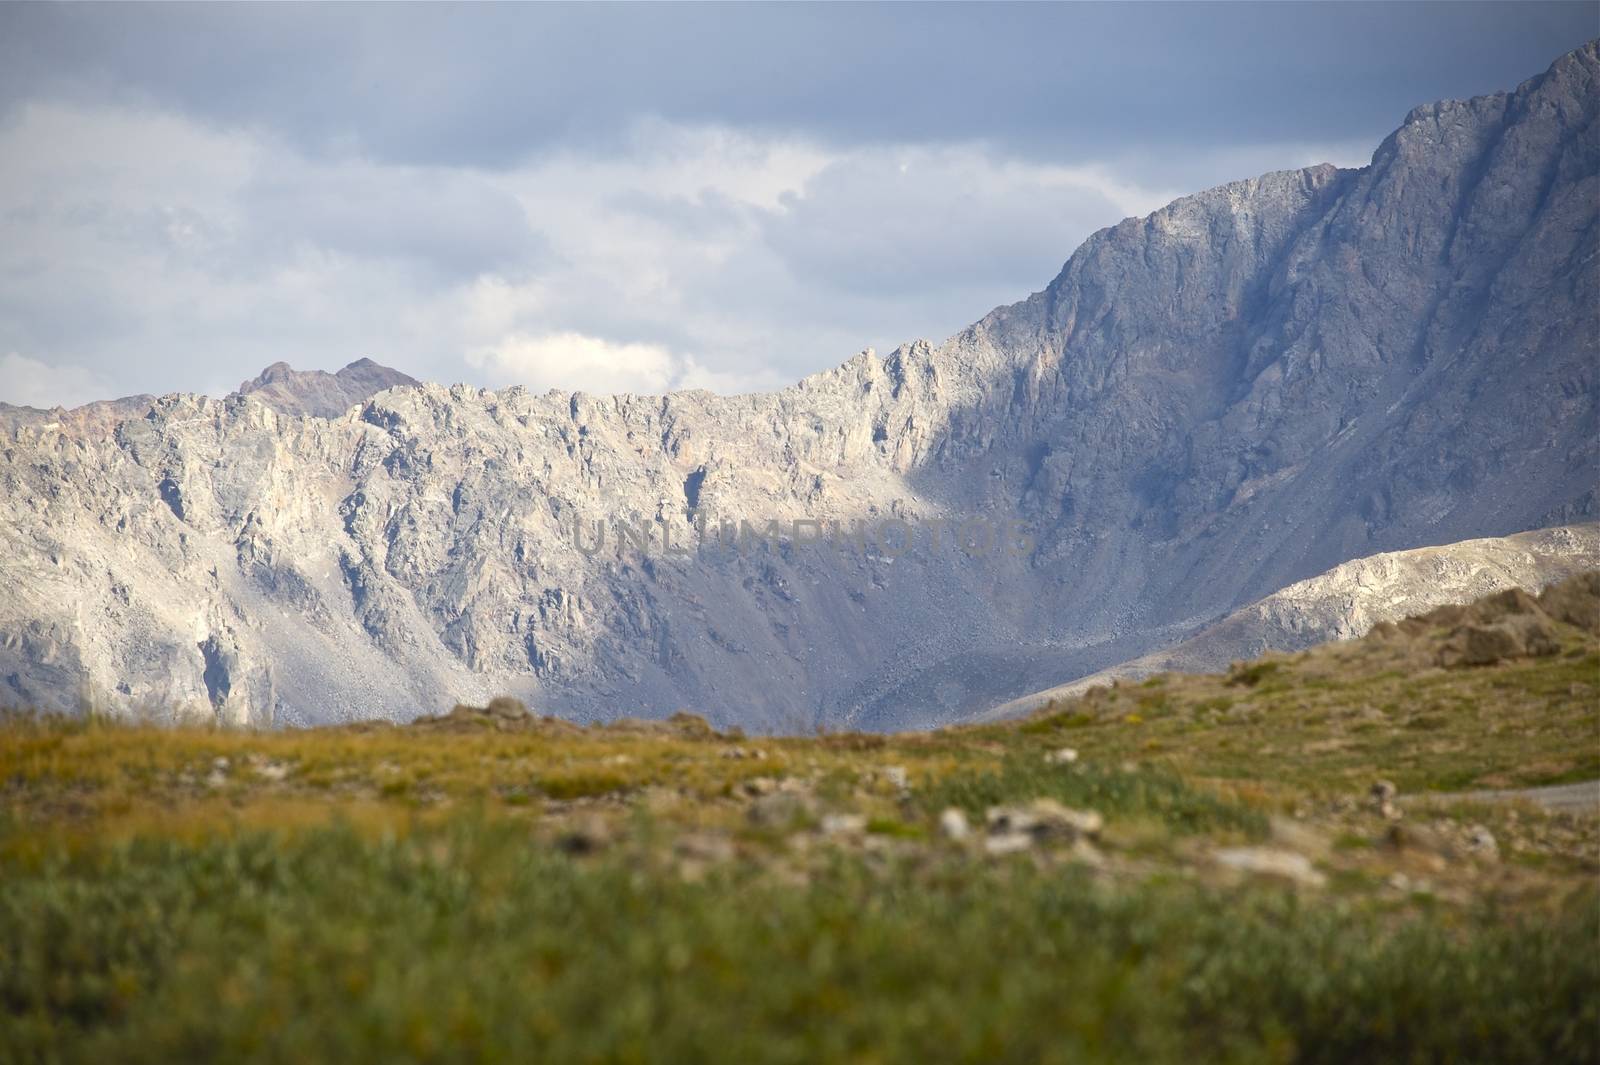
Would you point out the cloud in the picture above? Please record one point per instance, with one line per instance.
(575, 362)
(165, 254)
(180, 204)
(450, 223)
(728, 383)
(771, 258)
(919, 220)
(727, 197)
(27, 382)
(496, 86)
(572, 361)
(162, 254)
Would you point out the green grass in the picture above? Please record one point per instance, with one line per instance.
(464, 940)
(1181, 807)
(614, 895)
(1331, 720)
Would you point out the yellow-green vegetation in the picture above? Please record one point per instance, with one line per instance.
(1190, 868)
(1327, 718)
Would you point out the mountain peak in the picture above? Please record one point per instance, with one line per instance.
(278, 371)
(1234, 394)
(320, 393)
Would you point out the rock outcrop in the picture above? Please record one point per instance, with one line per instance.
(1240, 391)
(317, 392)
(1351, 599)
(99, 416)
(279, 386)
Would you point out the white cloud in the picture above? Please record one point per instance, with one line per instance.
(926, 223)
(1182, 173)
(693, 375)
(572, 361)
(154, 253)
(575, 362)
(28, 382)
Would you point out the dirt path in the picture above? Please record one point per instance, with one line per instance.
(1575, 798)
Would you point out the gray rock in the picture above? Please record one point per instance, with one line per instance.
(271, 771)
(1350, 600)
(842, 825)
(1008, 843)
(1271, 862)
(319, 393)
(1293, 835)
(953, 825)
(1383, 795)
(504, 706)
(1482, 845)
(780, 810)
(1235, 393)
(1044, 820)
(1419, 840)
(1508, 638)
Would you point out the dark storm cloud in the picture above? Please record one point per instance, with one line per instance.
(490, 85)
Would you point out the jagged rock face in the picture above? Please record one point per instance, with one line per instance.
(279, 386)
(317, 392)
(1239, 391)
(1349, 600)
(101, 415)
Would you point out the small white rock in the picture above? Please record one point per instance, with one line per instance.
(1045, 819)
(274, 772)
(1482, 844)
(1008, 843)
(843, 825)
(1270, 861)
(953, 825)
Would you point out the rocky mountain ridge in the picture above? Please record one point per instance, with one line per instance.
(319, 393)
(280, 386)
(1351, 599)
(1237, 392)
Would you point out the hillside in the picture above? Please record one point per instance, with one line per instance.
(1348, 600)
(1237, 392)
(1275, 864)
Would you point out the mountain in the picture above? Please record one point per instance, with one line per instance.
(1349, 600)
(1237, 392)
(102, 414)
(319, 393)
(287, 390)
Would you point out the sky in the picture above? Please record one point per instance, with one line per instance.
(639, 198)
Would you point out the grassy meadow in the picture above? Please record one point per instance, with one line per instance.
(1192, 868)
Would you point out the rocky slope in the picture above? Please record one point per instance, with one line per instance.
(279, 386)
(1237, 392)
(1349, 600)
(317, 392)
(101, 415)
